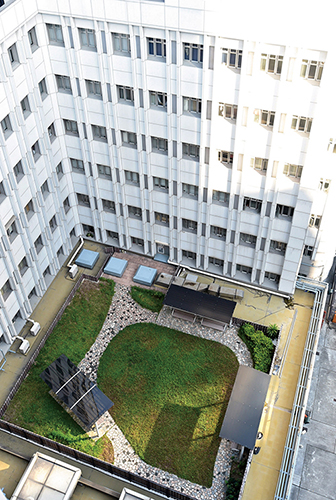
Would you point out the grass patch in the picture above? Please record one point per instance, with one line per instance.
(32, 407)
(149, 299)
(170, 392)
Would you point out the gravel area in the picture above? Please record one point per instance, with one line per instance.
(123, 312)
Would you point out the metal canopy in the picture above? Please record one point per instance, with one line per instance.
(76, 391)
(242, 417)
(202, 304)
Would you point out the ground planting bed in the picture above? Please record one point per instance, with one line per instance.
(170, 392)
(33, 408)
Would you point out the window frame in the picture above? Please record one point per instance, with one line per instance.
(299, 127)
(214, 261)
(218, 232)
(264, 117)
(108, 206)
(161, 219)
(228, 111)
(29, 209)
(189, 226)
(192, 106)
(158, 185)
(25, 107)
(159, 145)
(6, 126)
(193, 53)
(278, 247)
(38, 244)
(36, 151)
(272, 276)
(12, 231)
(53, 223)
(63, 84)
(43, 88)
(32, 37)
(315, 221)
(241, 268)
(45, 189)
(134, 212)
(259, 164)
(271, 64)
(99, 133)
(158, 99)
(118, 38)
(187, 191)
(307, 65)
(77, 165)
(281, 209)
(71, 127)
(226, 58)
(86, 39)
(249, 240)
(188, 254)
(122, 91)
(248, 203)
(128, 136)
(104, 171)
(188, 153)
(55, 30)
(155, 43)
(59, 170)
(13, 56)
(18, 171)
(83, 200)
(94, 89)
(6, 290)
(226, 158)
(66, 205)
(132, 178)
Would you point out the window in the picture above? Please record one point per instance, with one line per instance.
(252, 204)
(43, 88)
(294, 171)
(71, 127)
(159, 145)
(17, 316)
(232, 58)
(137, 241)
(6, 290)
(125, 94)
(46, 272)
(228, 111)
(134, 212)
(6, 126)
(60, 252)
(244, 269)
(190, 151)
(11, 231)
(18, 171)
(32, 39)
(38, 244)
(53, 223)
(221, 197)
(128, 138)
(121, 43)
(193, 52)
(284, 211)
(301, 124)
(13, 56)
(25, 107)
(83, 200)
(113, 235)
(162, 219)
(272, 276)
(77, 165)
(156, 47)
(225, 157)
(192, 105)
(104, 171)
(87, 38)
(189, 190)
(315, 220)
(59, 170)
(132, 177)
(88, 230)
(23, 266)
(99, 133)
(32, 293)
(217, 232)
(308, 251)
(159, 183)
(216, 262)
(188, 255)
(247, 239)
(55, 34)
(93, 89)
(259, 164)
(311, 70)
(324, 185)
(52, 133)
(66, 205)
(264, 117)
(45, 189)
(29, 209)
(271, 63)
(36, 151)
(158, 99)
(63, 84)
(2, 192)
(278, 247)
(189, 225)
(109, 206)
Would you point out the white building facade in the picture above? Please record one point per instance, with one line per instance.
(155, 127)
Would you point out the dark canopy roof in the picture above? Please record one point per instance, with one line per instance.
(242, 417)
(202, 304)
(76, 391)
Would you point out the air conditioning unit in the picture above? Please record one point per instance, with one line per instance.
(24, 347)
(73, 271)
(160, 249)
(35, 328)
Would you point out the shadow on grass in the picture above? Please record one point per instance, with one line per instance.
(171, 437)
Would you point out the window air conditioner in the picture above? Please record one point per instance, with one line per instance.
(217, 264)
(35, 328)
(272, 279)
(160, 249)
(244, 271)
(73, 271)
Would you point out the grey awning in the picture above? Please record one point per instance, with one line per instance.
(242, 417)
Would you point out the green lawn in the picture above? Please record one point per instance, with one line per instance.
(149, 299)
(170, 392)
(32, 407)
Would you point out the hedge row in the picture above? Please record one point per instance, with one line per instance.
(260, 346)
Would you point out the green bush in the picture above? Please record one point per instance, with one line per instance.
(259, 345)
(273, 331)
(149, 299)
(232, 489)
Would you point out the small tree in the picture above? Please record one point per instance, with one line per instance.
(273, 331)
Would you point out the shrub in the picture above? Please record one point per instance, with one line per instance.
(260, 346)
(273, 331)
(149, 299)
(232, 489)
